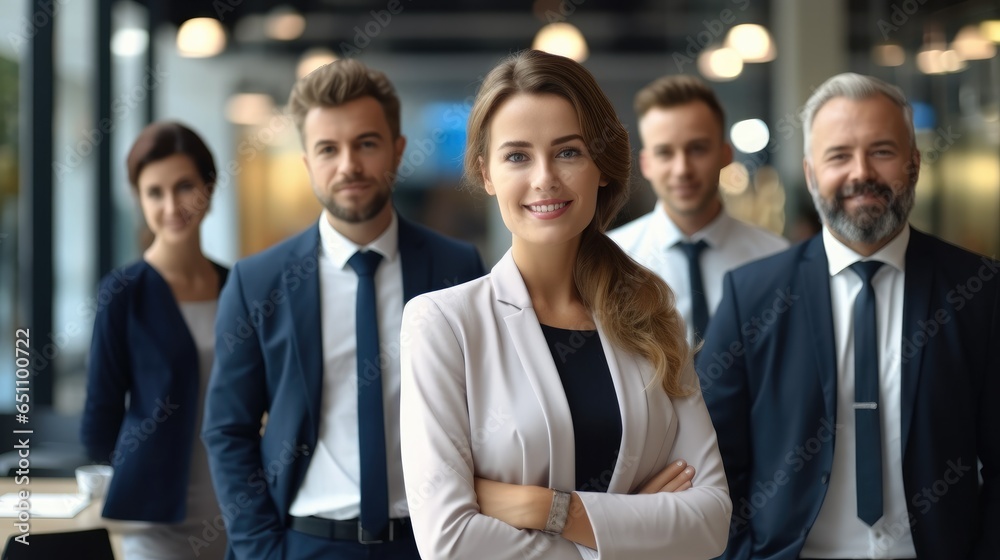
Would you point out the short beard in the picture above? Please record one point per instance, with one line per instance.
(870, 225)
(363, 214)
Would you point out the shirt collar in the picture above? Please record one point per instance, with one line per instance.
(840, 256)
(340, 249)
(714, 233)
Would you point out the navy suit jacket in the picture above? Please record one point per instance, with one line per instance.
(269, 358)
(769, 372)
(142, 348)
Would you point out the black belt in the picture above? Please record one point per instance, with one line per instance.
(350, 529)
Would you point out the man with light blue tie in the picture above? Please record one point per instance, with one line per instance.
(308, 336)
(852, 379)
(688, 239)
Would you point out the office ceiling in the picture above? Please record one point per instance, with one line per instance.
(468, 25)
(620, 26)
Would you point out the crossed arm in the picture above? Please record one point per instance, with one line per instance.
(457, 516)
(527, 507)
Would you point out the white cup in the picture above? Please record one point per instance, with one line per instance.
(93, 480)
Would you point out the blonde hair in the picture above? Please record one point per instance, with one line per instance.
(634, 306)
(339, 82)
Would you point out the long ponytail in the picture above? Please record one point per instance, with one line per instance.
(635, 308)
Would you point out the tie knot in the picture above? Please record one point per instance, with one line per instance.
(866, 269)
(693, 250)
(365, 263)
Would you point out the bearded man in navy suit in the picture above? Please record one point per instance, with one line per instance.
(308, 333)
(852, 379)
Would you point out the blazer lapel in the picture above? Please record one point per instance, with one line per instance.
(168, 327)
(305, 317)
(415, 260)
(917, 285)
(164, 323)
(814, 280)
(635, 411)
(539, 367)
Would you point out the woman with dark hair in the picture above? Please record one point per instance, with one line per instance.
(151, 355)
(548, 408)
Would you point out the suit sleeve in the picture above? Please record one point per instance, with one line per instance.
(989, 440)
(234, 404)
(689, 524)
(109, 376)
(437, 445)
(724, 385)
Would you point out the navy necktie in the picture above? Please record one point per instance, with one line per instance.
(371, 419)
(868, 428)
(699, 305)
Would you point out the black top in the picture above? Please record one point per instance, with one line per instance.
(593, 403)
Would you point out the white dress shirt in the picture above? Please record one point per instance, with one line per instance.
(652, 241)
(332, 484)
(838, 532)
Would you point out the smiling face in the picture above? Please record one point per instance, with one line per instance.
(682, 154)
(174, 198)
(538, 167)
(862, 169)
(352, 159)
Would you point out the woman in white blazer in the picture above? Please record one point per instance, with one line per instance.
(550, 409)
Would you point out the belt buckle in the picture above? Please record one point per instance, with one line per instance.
(361, 535)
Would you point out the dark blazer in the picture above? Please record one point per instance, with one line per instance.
(269, 358)
(142, 349)
(769, 374)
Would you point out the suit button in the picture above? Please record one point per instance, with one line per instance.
(825, 478)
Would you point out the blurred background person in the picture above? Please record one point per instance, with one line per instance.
(688, 238)
(151, 355)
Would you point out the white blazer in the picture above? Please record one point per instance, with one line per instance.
(481, 397)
